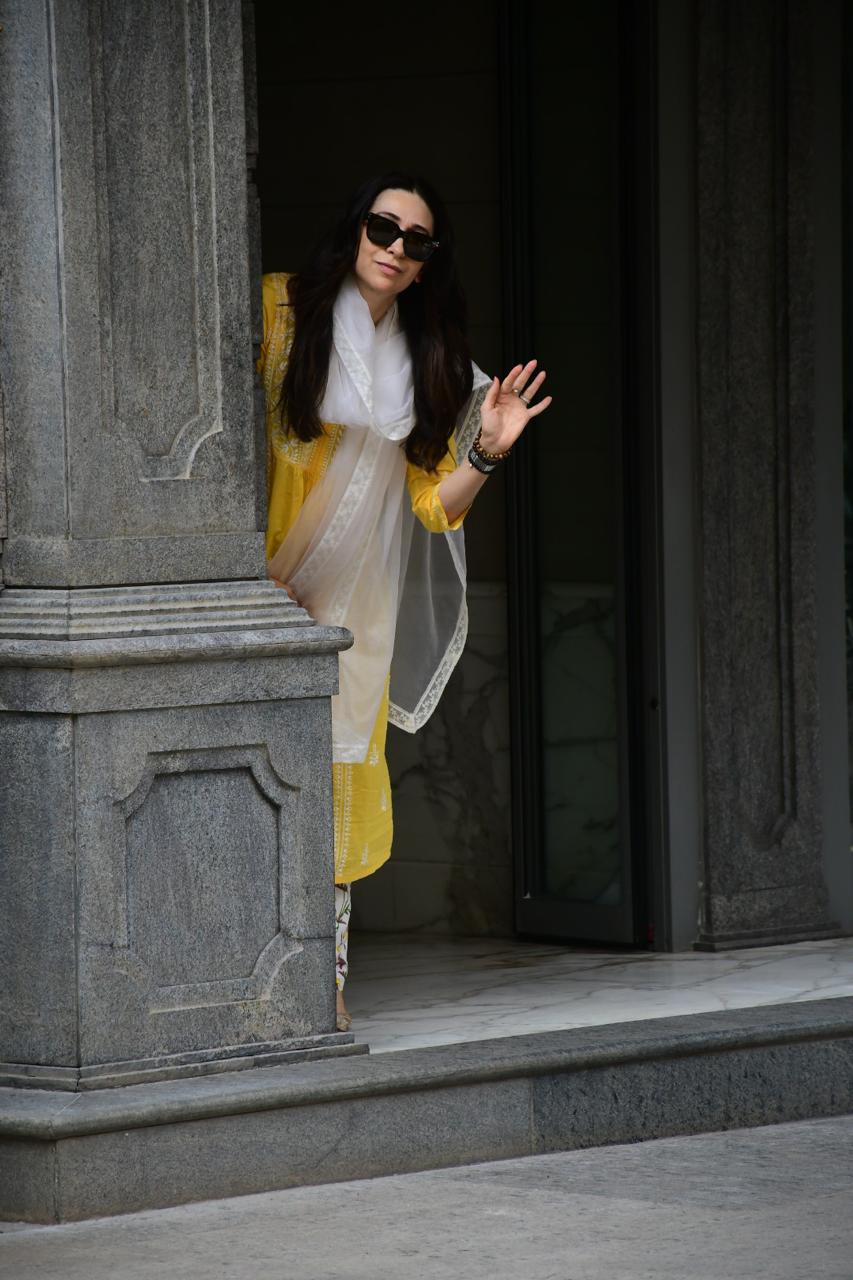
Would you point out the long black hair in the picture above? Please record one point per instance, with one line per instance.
(432, 315)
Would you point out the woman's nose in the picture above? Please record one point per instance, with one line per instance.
(397, 245)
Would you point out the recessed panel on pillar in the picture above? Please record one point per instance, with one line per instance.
(148, 316)
(762, 874)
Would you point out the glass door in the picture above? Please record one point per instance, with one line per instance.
(572, 823)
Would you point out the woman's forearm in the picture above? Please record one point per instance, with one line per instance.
(459, 489)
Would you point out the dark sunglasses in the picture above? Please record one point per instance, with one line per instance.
(383, 232)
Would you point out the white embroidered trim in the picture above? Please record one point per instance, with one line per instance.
(414, 720)
(471, 422)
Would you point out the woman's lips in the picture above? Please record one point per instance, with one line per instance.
(389, 268)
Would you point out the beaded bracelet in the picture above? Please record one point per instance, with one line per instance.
(484, 453)
(480, 463)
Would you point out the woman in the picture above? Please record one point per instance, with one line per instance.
(371, 399)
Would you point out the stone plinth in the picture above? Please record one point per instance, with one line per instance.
(165, 820)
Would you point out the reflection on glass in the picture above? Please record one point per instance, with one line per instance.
(580, 756)
(575, 232)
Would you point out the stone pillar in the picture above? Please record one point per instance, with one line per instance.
(165, 808)
(763, 876)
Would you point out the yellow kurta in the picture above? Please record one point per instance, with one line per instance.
(362, 792)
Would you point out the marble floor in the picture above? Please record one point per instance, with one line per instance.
(406, 992)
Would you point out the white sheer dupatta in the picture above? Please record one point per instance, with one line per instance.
(357, 557)
(432, 614)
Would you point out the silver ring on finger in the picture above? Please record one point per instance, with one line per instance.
(522, 397)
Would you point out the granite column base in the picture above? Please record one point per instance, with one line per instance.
(166, 885)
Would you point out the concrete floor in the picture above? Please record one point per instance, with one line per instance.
(757, 1204)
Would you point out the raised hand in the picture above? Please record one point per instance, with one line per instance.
(507, 409)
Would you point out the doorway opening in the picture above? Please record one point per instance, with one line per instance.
(519, 807)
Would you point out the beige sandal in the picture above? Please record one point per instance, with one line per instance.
(343, 1020)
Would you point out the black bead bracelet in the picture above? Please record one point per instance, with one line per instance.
(479, 463)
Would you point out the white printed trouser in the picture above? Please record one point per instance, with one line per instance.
(343, 908)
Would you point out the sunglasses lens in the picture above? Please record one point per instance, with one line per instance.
(416, 246)
(381, 231)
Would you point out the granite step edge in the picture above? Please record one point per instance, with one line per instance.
(43, 1115)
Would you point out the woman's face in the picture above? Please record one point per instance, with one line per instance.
(383, 273)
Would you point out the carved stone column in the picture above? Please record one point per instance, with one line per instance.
(165, 808)
(763, 878)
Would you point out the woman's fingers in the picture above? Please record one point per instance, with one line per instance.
(526, 390)
(490, 399)
(539, 408)
(521, 381)
(518, 377)
(509, 382)
(530, 391)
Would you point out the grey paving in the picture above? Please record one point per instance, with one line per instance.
(758, 1204)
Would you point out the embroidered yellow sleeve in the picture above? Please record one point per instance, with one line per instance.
(423, 492)
(274, 292)
(287, 494)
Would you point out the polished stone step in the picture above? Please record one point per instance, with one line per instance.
(65, 1157)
